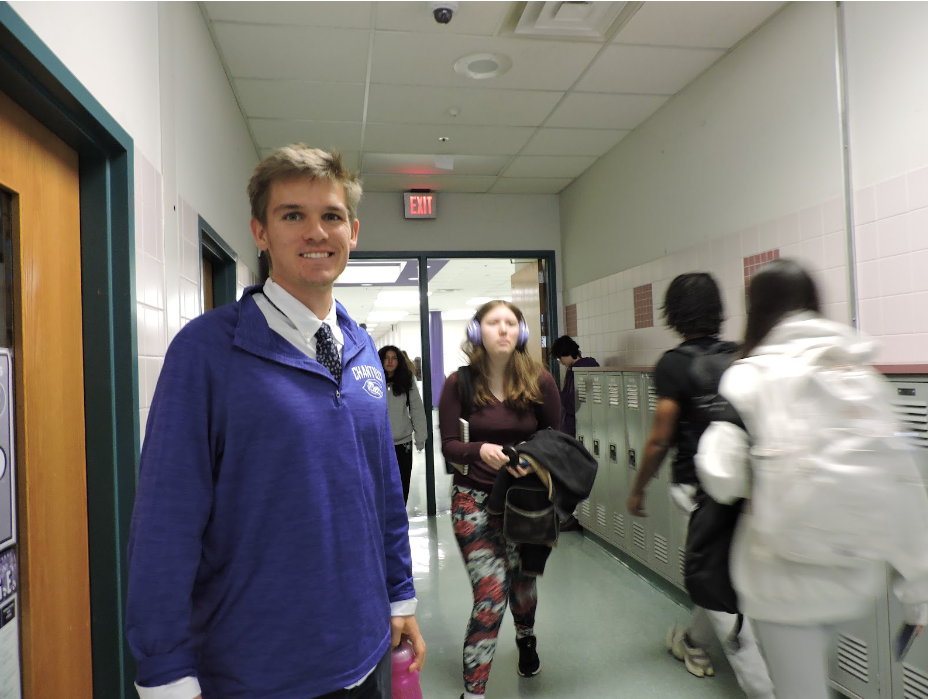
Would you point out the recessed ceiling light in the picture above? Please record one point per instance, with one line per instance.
(481, 66)
(443, 139)
(386, 316)
(458, 314)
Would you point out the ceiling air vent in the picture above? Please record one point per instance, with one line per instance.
(582, 20)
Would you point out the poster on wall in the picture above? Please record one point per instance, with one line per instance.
(10, 683)
(7, 470)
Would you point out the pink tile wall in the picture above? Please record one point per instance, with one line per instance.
(891, 245)
(606, 320)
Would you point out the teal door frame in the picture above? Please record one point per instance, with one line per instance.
(547, 256)
(222, 258)
(40, 83)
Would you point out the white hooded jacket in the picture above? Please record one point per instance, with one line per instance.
(771, 588)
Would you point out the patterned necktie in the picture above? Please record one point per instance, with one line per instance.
(327, 352)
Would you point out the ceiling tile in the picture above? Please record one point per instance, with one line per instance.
(646, 70)
(464, 140)
(408, 164)
(291, 99)
(444, 183)
(549, 166)
(482, 18)
(530, 185)
(349, 158)
(273, 133)
(598, 111)
(354, 15)
(296, 53)
(695, 24)
(552, 141)
(426, 59)
(430, 105)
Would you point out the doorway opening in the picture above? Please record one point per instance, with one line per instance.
(425, 315)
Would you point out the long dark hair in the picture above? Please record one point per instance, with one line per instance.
(693, 305)
(520, 379)
(402, 378)
(779, 288)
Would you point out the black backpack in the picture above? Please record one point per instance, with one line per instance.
(466, 391)
(711, 526)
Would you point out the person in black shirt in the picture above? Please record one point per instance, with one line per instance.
(566, 350)
(693, 309)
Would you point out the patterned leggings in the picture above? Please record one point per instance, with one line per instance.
(495, 575)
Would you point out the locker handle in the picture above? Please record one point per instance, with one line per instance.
(595, 447)
(580, 439)
(632, 460)
(613, 454)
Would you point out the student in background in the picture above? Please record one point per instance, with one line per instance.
(794, 605)
(693, 309)
(514, 397)
(567, 352)
(407, 414)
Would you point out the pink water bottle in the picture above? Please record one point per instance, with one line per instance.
(405, 683)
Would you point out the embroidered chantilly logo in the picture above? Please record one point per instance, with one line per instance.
(372, 377)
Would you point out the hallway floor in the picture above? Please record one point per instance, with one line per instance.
(600, 627)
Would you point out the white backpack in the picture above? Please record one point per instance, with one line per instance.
(828, 462)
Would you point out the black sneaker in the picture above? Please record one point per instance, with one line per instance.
(529, 665)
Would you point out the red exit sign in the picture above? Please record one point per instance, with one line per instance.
(420, 204)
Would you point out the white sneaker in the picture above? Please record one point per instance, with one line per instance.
(694, 658)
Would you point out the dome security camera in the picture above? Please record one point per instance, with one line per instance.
(443, 11)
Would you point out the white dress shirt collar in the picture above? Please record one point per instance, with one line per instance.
(303, 319)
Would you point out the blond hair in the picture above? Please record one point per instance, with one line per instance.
(297, 160)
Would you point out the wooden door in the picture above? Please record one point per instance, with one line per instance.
(526, 294)
(41, 174)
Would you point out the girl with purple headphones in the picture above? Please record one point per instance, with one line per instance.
(513, 397)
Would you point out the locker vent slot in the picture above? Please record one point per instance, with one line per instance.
(914, 683)
(652, 399)
(619, 525)
(597, 393)
(581, 391)
(638, 537)
(661, 551)
(585, 508)
(913, 414)
(631, 396)
(601, 516)
(615, 394)
(681, 554)
(853, 657)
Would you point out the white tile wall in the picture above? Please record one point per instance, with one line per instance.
(605, 316)
(892, 265)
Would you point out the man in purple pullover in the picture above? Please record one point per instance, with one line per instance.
(269, 552)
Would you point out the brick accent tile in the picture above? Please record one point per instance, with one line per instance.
(644, 306)
(570, 320)
(752, 263)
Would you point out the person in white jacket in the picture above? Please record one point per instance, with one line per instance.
(407, 414)
(794, 605)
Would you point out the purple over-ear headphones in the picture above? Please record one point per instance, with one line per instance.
(476, 337)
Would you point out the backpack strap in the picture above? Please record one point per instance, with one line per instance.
(466, 391)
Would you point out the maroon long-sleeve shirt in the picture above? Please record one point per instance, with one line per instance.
(498, 423)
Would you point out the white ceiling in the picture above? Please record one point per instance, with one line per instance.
(376, 80)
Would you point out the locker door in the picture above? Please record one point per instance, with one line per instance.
(585, 437)
(661, 555)
(639, 531)
(615, 460)
(602, 507)
(909, 678)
